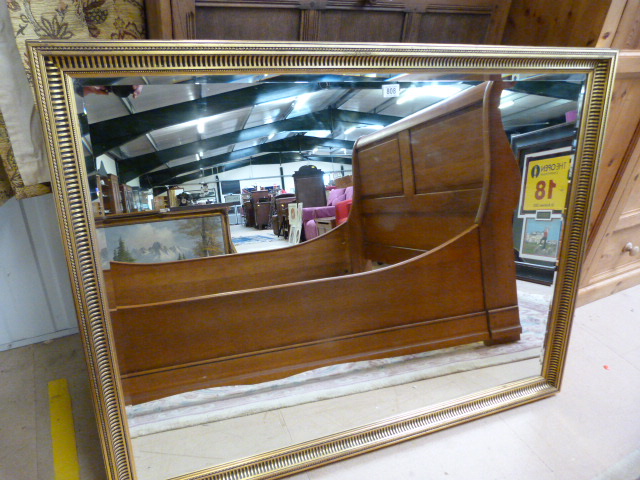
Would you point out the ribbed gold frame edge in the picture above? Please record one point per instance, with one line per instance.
(55, 64)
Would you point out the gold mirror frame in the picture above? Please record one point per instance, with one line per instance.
(55, 65)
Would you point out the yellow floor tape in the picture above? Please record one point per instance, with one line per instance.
(63, 437)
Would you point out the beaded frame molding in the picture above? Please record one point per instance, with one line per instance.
(56, 64)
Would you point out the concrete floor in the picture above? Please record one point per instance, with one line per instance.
(591, 430)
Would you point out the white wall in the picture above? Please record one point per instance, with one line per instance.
(108, 162)
(268, 175)
(36, 303)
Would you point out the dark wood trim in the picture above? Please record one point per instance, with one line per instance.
(309, 25)
(184, 19)
(176, 19)
(159, 19)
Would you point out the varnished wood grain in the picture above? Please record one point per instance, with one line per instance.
(607, 268)
(183, 19)
(622, 26)
(557, 23)
(325, 256)
(360, 26)
(248, 24)
(386, 254)
(422, 221)
(611, 23)
(245, 323)
(161, 27)
(472, 28)
(623, 133)
(443, 162)
(416, 338)
(441, 21)
(380, 169)
(496, 227)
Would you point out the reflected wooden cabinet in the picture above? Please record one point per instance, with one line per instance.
(423, 21)
(108, 193)
(128, 202)
(110, 197)
(309, 186)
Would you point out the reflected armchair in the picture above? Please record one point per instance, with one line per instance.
(337, 196)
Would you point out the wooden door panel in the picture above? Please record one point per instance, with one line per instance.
(435, 21)
(360, 26)
(454, 27)
(614, 256)
(248, 24)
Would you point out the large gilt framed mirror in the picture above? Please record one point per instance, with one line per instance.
(286, 254)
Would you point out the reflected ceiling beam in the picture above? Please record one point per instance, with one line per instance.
(329, 77)
(539, 114)
(115, 132)
(553, 89)
(324, 120)
(118, 131)
(298, 143)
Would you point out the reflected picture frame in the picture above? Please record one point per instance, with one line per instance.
(56, 64)
(126, 228)
(557, 140)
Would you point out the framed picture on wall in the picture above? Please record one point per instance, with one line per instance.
(545, 181)
(163, 237)
(541, 239)
(295, 222)
(545, 158)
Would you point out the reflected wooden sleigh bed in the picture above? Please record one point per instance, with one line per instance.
(434, 196)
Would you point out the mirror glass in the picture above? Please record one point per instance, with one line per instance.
(186, 167)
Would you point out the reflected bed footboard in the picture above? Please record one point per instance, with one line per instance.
(434, 196)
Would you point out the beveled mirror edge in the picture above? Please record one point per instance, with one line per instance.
(390, 431)
(574, 239)
(55, 64)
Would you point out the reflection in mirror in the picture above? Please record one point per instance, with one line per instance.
(393, 186)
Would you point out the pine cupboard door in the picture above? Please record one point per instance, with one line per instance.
(612, 262)
(615, 260)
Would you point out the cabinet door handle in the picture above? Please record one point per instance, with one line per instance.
(633, 250)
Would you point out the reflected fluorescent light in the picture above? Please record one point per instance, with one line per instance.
(318, 133)
(201, 123)
(301, 100)
(371, 127)
(271, 135)
(438, 91)
(506, 104)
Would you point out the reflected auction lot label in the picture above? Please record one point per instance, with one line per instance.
(547, 183)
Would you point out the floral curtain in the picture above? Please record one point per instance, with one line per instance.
(11, 182)
(23, 165)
